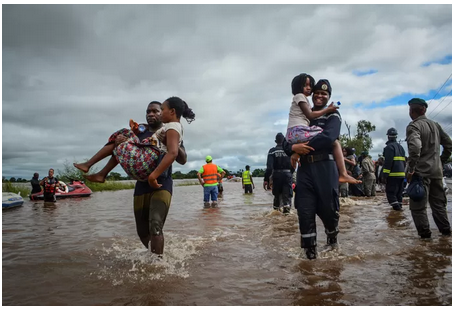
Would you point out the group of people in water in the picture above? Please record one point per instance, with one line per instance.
(146, 153)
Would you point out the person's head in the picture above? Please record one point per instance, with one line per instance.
(321, 94)
(392, 133)
(279, 138)
(364, 154)
(51, 171)
(154, 114)
(36, 175)
(348, 151)
(303, 83)
(418, 107)
(247, 167)
(173, 108)
(208, 159)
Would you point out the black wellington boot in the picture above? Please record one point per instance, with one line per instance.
(157, 243)
(311, 253)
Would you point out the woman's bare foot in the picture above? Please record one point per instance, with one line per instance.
(348, 179)
(95, 178)
(82, 166)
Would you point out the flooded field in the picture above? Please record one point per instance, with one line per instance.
(86, 252)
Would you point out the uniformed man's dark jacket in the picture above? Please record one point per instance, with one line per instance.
(323, 142)
(277, 159)
(394, 165)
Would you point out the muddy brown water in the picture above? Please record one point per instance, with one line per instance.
(86, 252)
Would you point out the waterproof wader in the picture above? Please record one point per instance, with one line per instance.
(394, 191)
(282, 189)
(436, 196)
(317, 193)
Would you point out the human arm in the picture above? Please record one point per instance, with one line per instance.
(413, 139)
(269, 169)
(251, 178)
(331, 132)
(350, 161)
(306, 109)
(182, 154)
(201, 181)
(446, 142)
(172, 145)
(388, 153)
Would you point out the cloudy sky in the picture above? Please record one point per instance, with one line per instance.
(74, 74)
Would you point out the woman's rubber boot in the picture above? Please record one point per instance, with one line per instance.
(157, 243)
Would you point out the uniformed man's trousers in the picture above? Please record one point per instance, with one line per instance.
(317, 193)
(436, 197)
(394, 191)
(281, 189)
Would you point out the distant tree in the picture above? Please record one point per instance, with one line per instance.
(178, 175)
(114, 176)
(258, 172)
(362, 140)
(4, 179)
(12, 179)
(192, 174)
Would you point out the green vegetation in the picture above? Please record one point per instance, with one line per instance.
(361, 141)
(8, 187)
(109, 186)
(188, 183)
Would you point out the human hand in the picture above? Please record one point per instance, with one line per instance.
(153, 182)
(409, 176)
(253, 186)
(332, 108)
(383, 180)
(294, 159)
(120, 139)
(302, 148)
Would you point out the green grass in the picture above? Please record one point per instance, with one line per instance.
(187, 183)
(109, 186)
(8, 187)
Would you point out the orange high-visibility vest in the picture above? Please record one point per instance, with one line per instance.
(210, 174)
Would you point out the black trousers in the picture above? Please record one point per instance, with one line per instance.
(394, 191)
(282, 189)
(317, 193)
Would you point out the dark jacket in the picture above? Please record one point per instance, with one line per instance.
(35, 187)
(394, 165)
(277, 159)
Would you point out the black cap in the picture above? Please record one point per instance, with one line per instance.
(418, 101)
(279, 137)
(324, 85)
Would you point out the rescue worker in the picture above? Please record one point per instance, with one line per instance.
(247, 180)
(220, 185)
(368, 170)
(424, 138)
(208, 178)
(316, 191)
(350, 163)
(279, 167)
(50, 184)
(393, 173)
(35, 184)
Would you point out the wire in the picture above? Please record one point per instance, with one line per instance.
(440, 88)
(442, 109)
(440, 102)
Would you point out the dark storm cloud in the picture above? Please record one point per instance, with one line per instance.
(73, 74)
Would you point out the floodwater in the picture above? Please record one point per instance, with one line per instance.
(86, 252)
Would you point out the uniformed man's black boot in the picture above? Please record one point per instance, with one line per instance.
(286, 210)
(397, 207)
(311, 253)
(331, 241)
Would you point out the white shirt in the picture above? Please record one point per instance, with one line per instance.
(160, 134)
(296, 116)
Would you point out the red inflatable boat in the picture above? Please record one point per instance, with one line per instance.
(73, 190)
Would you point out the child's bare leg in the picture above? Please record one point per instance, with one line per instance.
(100, 176)
(339, 157)
(106, 151)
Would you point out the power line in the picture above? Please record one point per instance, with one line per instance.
(440, 88)
(442, 109)
(440, 101)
